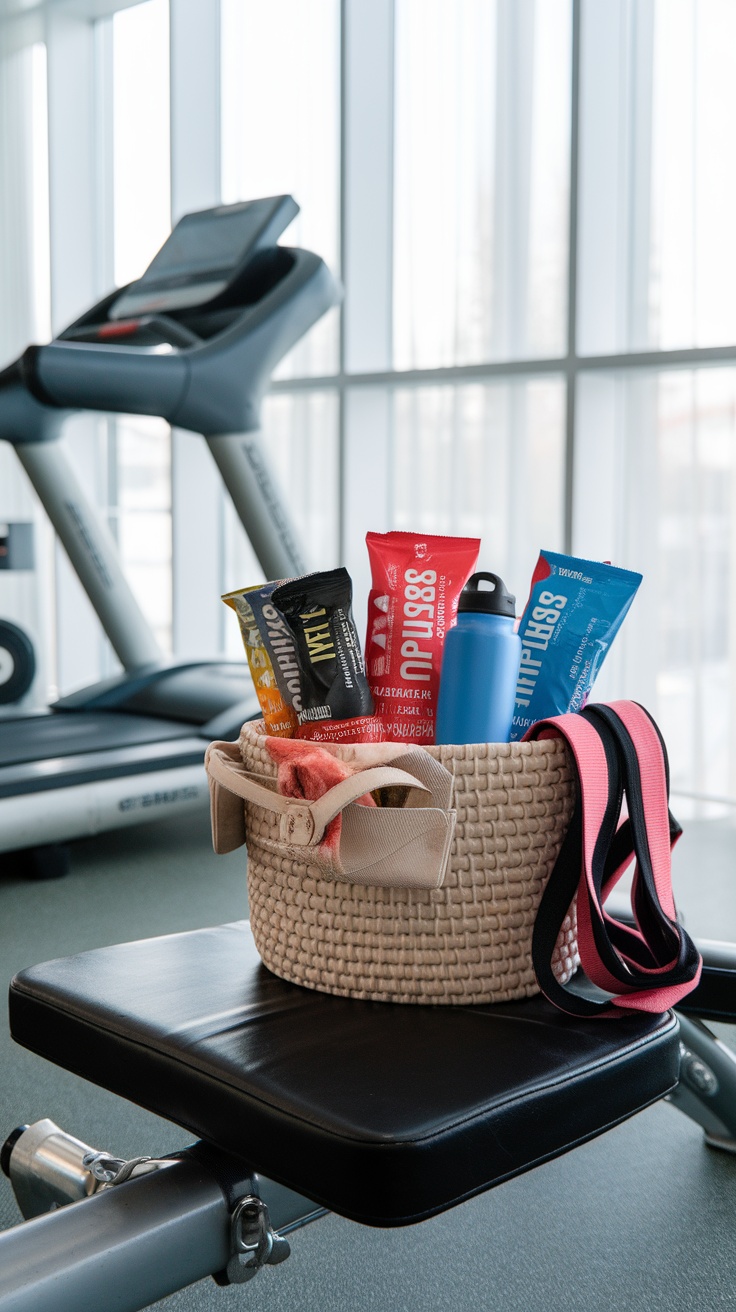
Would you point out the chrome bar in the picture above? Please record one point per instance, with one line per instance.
(129, 1245)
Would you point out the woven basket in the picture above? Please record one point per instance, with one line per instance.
(468, 941)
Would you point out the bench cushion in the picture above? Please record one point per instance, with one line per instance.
(386, 1114)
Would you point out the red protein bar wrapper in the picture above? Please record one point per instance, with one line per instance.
(416, 585)
(360, 729)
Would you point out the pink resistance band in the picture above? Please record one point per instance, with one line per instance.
(618, 752)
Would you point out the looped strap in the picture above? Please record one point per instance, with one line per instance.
(618, 752)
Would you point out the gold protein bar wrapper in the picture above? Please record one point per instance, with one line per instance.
(280, 720)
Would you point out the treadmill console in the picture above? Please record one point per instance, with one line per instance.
(205, 255)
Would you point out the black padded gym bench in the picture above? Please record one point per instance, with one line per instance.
(384, 1114)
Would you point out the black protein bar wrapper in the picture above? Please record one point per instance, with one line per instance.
(318, 610)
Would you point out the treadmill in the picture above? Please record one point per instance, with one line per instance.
(195, 341)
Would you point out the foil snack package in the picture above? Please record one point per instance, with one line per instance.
(318, 611)
(416, 584)
(574, 612)
(279, 643)
(278, 717)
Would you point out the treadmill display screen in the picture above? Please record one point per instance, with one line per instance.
(208, 243)
(204, 253)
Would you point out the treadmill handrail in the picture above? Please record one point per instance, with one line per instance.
(93, 376)
(212, 386)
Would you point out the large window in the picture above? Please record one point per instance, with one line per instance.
(481, 180)
(658, 200)
(281, 130)
(531, 206)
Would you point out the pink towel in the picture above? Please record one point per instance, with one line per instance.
(308, 771)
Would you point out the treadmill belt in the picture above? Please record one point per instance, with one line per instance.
(73, 733)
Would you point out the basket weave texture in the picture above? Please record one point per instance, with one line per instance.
(466, 942)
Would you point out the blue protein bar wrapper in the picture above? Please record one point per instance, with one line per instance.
(575, 609)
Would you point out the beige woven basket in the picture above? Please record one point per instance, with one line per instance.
(468, 941)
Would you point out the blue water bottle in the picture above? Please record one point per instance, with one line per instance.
(480, 666)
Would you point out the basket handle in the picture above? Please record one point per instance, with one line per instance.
(302, 823)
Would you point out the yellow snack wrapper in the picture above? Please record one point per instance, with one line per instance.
(280, 720)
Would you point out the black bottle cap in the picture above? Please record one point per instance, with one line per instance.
(491, 601)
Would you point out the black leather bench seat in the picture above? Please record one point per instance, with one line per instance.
(385, 1114)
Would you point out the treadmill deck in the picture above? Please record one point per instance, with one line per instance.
(69, 748)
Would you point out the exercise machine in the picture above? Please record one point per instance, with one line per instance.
(195, 340)
(17, 653)
(17, 663)
(192, 1027)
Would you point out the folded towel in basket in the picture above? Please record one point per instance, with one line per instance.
(307, 771)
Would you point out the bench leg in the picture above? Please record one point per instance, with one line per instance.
(707, 1089)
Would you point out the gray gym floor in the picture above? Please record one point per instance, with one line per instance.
(640, 1220)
